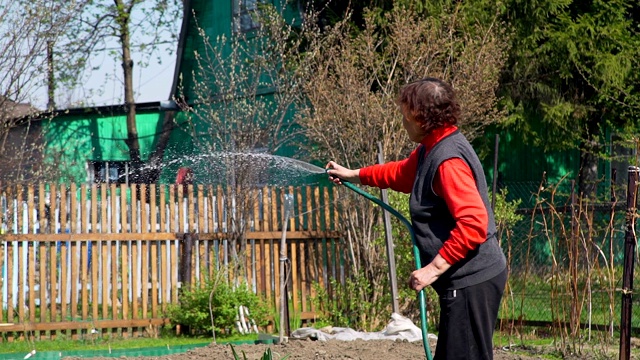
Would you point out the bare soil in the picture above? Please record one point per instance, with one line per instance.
(320, 350)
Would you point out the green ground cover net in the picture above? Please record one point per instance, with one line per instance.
(119, 353)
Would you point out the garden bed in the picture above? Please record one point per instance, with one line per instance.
(332, 349)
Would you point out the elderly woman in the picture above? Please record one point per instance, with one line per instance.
(451, 217)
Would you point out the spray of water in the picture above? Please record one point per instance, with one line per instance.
(255, 169)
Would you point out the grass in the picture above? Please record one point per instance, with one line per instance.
(113, 343)
(533, 299)
(530, 343)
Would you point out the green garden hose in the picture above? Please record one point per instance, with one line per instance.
(416, 255)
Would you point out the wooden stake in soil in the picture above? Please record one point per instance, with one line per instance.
(284, 308)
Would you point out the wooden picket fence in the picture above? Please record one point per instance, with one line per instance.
(106, 258)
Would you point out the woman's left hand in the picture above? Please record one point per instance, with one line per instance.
(422, 278)
(426, 276)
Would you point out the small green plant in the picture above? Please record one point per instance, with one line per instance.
(219, 300)
(505, 211)
(268, 355)
(295, 318)
(236, 356)
(344, 305)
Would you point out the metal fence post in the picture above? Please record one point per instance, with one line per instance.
(494, 181)
(391, 258)
(629, 260)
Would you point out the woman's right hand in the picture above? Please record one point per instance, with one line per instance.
(338, 173)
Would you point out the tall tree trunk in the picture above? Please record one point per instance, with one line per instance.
(589, 149)
(124, 16)
(51, 78)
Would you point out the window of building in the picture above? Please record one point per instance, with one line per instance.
(112, 172)
(244, 15)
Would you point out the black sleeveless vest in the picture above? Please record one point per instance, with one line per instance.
(432, 221)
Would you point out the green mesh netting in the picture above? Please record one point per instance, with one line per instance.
(121, 353)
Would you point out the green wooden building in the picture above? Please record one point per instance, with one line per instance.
(88, 144)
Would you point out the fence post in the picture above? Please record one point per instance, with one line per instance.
(184, 273)
(284, 298)
(186, 248)
(629, 259)
(494, 181)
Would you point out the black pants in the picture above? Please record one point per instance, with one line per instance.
(467, 320)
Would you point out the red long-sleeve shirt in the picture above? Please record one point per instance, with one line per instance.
(454, 182)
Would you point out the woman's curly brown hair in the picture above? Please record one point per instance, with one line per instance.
(430, 101)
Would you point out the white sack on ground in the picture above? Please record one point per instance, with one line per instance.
(399, 328)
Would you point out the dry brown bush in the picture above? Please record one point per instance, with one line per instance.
(341, 84)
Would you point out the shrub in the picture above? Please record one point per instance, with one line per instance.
(295, 318)
(195, 311)
(506, 211)
(343, 305)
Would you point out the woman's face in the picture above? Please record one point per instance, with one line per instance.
(413, 128)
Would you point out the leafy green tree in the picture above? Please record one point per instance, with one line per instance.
(571, 74)
(470, 13)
